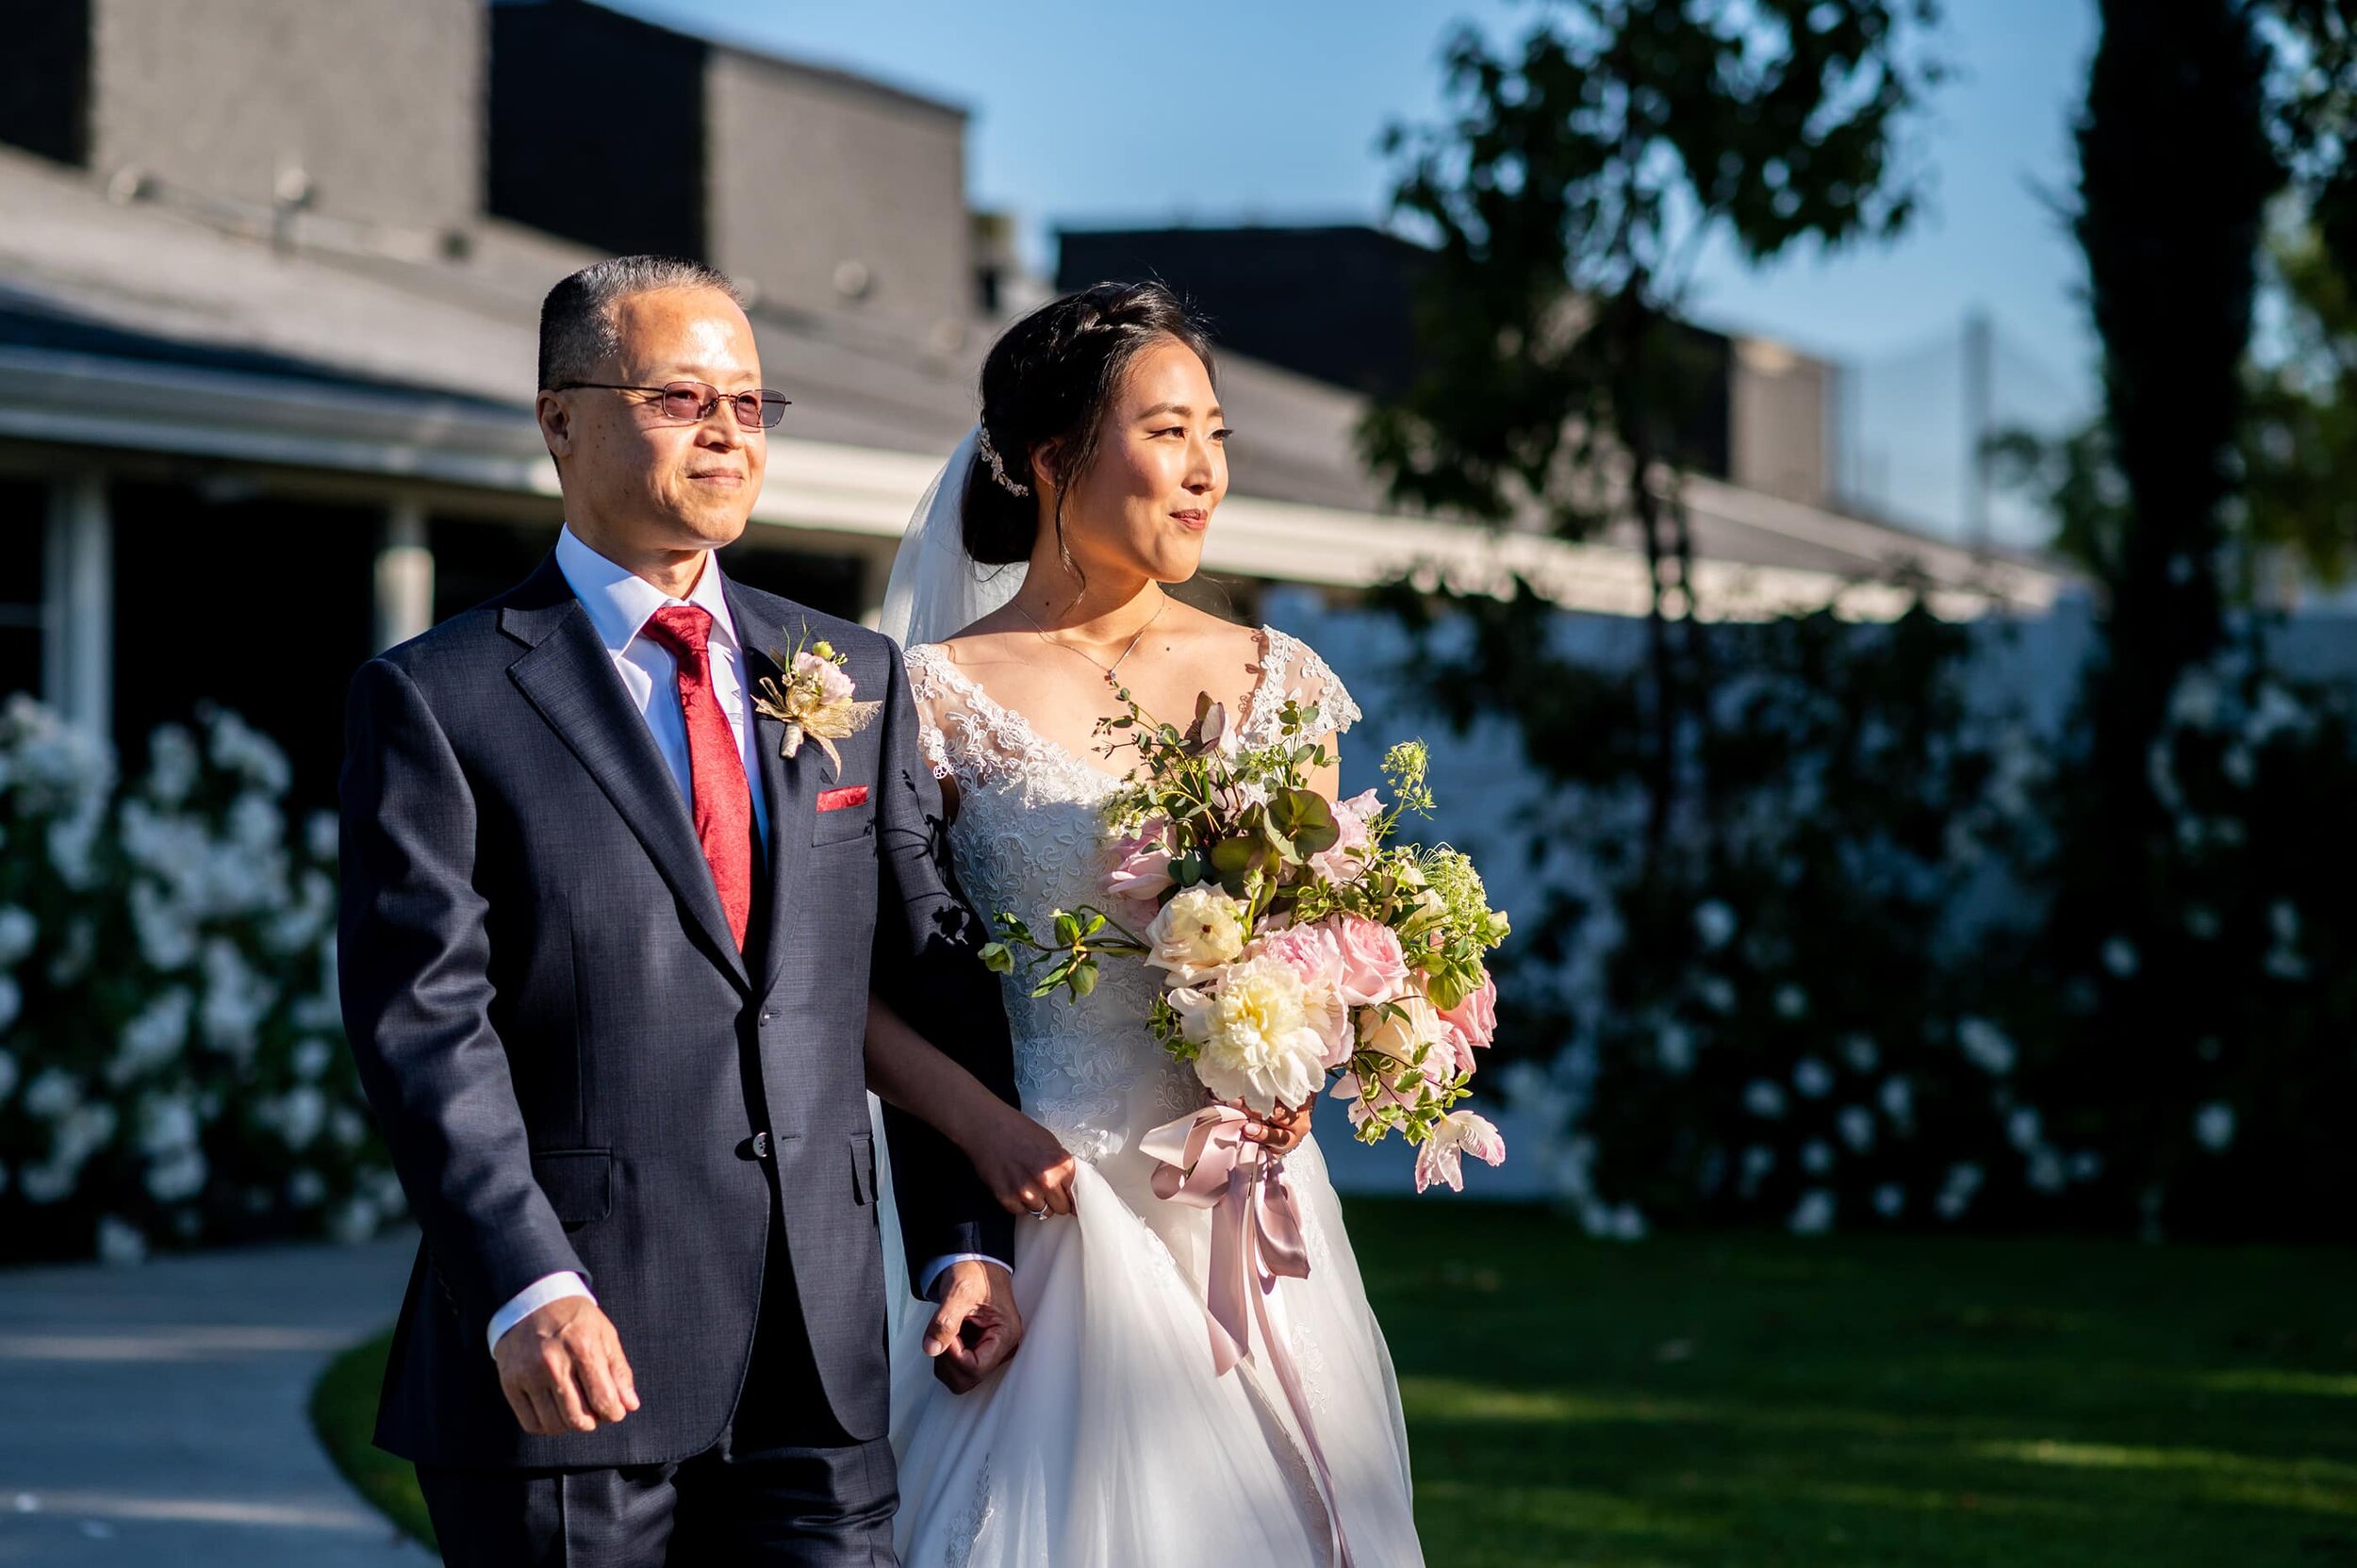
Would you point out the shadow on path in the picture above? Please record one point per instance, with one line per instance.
(157, 1413)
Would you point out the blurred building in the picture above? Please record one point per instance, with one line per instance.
(1337, 302)
(269, 277)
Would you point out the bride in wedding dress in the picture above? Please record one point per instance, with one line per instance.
(1028, 590)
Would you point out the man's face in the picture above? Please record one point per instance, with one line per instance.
(643, 478)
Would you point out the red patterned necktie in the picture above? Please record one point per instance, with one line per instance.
(724, 803)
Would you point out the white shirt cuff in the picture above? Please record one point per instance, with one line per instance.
(548, 1288)
(937, 1266)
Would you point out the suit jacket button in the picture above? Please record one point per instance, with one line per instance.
(760, 1145)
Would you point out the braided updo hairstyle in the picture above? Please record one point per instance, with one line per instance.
(1050, 378)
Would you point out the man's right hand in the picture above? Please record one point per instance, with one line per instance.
(563, 1370)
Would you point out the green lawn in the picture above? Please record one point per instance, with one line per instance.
(343, 1408)
(1752, 1402)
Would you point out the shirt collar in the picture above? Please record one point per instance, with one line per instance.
(619, 602)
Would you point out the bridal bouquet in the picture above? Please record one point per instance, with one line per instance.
(1295, 943)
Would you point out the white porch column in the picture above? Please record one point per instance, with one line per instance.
(77, 603)
(405, 576)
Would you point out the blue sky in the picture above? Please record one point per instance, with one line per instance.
(1229, 109)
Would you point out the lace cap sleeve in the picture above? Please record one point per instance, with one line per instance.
(1295, 670)
(932, 693)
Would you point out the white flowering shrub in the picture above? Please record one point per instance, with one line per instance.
(172, 1067)
(1795, 1025)
(2204, 1034)
(1869, 973)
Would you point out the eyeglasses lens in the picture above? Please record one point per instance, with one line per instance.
(692, 401)
(687, 400)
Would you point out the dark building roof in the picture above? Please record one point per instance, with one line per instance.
(1334, 304)
(30, 321)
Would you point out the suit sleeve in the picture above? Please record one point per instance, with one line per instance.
(927, 968)
(412, 954)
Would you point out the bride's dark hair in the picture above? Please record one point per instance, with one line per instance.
(1049, 378)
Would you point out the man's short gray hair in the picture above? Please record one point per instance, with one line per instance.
(577, 325)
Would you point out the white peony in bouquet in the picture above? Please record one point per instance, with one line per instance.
(1296, 943)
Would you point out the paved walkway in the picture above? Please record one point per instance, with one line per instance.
(159, 1414)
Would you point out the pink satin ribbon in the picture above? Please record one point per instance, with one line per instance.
(1204, 1161)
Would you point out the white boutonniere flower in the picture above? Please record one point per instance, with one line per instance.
(814, 700)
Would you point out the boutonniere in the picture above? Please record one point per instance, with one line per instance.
(812, 698)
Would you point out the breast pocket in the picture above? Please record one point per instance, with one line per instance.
(855, 817)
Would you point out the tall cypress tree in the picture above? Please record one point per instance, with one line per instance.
(2175, 172)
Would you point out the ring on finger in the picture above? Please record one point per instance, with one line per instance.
(1040, 1212)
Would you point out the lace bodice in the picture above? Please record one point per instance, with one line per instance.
(1030, 837)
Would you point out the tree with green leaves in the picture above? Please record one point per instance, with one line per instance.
(2216, 175)
(1568, 197)
(2299, 424)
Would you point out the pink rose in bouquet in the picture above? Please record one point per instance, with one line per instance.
(1141, 872)
(1472, 1022)
(1373, 968)
(1351, 817)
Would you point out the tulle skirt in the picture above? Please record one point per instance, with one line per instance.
(1108, 1440)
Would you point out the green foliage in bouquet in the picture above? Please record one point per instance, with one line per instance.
(1238, 817)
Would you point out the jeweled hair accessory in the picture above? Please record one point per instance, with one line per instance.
(998, 468)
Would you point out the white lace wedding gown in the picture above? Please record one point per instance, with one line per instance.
(1108, 1441)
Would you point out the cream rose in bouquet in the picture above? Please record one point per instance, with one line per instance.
(1295, 943)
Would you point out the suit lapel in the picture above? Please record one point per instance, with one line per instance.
(568, 675)
(792, 802)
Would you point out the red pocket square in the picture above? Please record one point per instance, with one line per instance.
(837, 799)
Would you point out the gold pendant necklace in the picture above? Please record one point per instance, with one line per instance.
(1042, 632)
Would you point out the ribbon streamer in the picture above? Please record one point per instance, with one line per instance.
(1204, 1162)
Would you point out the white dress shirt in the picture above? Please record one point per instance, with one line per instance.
(620, 603)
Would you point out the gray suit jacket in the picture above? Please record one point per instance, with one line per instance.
(575, 1067)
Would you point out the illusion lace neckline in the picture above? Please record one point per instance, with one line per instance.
(1013, 720)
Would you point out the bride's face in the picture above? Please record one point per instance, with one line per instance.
(1161, 468)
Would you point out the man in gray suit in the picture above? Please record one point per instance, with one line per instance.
(606, 956)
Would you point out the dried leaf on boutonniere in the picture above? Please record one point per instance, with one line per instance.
(812, 698)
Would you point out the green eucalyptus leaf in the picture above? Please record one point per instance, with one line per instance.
(1234, 856)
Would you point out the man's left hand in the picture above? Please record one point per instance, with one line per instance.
(976, 1330)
